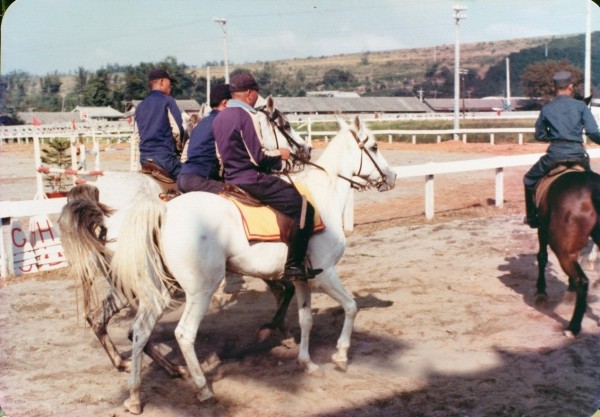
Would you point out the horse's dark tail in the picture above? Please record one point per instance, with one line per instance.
(594, 184)
(83, 236)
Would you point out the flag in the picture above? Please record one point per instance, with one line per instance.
(35, 122)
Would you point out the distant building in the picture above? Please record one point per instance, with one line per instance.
(332, 93)
(185, 106)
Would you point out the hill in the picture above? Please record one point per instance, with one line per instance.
(402, 66)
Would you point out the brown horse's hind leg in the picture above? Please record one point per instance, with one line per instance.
(579, 284)
(542, 259)
(98, 320)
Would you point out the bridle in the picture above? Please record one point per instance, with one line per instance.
(273, 118)
(354, 184)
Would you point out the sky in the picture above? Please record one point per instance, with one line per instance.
(45, 36)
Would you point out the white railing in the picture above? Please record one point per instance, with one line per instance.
(9, 209)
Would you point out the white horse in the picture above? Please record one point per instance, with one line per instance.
(193, 239)
(91, 224)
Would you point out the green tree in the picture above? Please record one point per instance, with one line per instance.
(536, 80)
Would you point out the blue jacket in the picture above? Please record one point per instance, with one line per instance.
(564, 119)
(201, 153)
(239, 147)
(159, 125)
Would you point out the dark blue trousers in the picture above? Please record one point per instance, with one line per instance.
(557, 153)
(276, 193)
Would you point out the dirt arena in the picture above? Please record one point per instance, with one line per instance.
(447, 325)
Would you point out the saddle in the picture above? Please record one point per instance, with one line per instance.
(262, 222)
(162, 178)
(542, 187)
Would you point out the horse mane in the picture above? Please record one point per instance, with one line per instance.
(83, 239)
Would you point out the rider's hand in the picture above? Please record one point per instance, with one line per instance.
(285, 154)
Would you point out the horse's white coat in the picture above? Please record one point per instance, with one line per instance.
(202, 235)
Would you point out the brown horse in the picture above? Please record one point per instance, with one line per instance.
(568, 216)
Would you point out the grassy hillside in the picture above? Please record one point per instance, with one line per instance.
(403, 64)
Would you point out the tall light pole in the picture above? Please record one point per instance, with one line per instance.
(587, 86)
(457, 17)
(222, 21)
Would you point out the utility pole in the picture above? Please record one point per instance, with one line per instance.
(457, 17)
(588, 53)
(222, 22)
(508, 107)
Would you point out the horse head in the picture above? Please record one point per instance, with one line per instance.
(369, 165)
(278, 133)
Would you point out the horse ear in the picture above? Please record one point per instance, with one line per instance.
(270, 104)
(341, 122)
(356, 124)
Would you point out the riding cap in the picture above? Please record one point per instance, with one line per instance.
(219, 93)
(157, 74)
(562, 79)
(242, 82)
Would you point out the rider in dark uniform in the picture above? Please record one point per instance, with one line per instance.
(200, 171)
(248, 166)
(561, 122)
(158, 125)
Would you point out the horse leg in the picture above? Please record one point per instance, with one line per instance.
(144, 323)
(330, 283)
(283, 293)
(542, 258)
(303, 296)
(580, 283)
(98, 320)
(195, 308)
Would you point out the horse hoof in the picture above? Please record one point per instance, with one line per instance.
(341, 365)
(263, 334)
(541, 299)
(569, 334)
(134, 407)
(124, 366)
(313, 369)
(205, 394)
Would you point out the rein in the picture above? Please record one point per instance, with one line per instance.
(354, 184)
(273, 121)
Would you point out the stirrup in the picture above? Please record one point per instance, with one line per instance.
(294, 273)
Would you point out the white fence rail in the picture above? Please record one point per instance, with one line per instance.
(10, 209)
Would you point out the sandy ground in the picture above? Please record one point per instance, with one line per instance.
(447, 324)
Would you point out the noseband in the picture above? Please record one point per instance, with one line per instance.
(354, 184)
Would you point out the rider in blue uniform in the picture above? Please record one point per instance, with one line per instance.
(561, 122)
(159, 126)
(248, 166)
(200, 171)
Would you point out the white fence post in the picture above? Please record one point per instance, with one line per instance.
(499, 187)
(429, 197)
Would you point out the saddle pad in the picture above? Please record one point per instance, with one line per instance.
(260, 222)
(544, 184)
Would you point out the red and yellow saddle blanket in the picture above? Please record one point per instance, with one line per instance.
(264, 224)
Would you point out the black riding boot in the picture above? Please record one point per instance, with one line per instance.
(530, 209)
(298, 244)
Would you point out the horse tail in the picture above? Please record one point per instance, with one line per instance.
(595, 189)
(138, 266)
(83, 236)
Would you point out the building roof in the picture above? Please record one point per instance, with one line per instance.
(477, 104)
(99, 112)
(47, 117)
(312, 105)
(184, 105)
